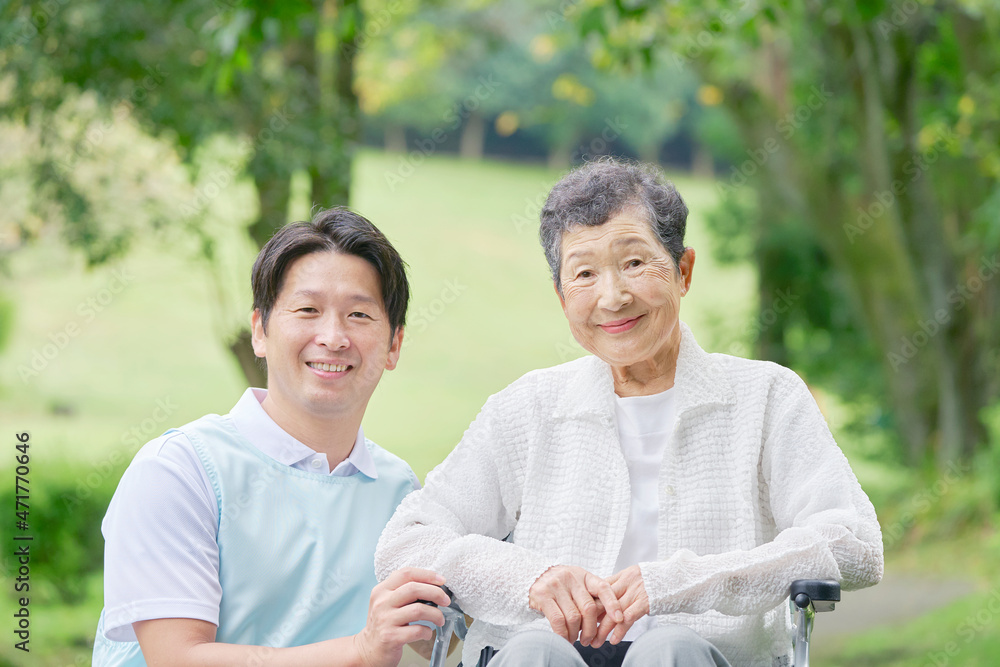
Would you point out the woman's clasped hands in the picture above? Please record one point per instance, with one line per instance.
(580, 604)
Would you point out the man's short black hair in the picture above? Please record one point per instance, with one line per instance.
(334, 229)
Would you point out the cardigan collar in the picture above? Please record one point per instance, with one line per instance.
(698, 380)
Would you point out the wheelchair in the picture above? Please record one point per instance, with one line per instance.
(806, 598)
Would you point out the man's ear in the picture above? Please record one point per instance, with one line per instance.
(395, 345)
(257, 336)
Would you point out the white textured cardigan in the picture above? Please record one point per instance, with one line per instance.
(753, 494)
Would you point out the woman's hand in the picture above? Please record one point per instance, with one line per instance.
(573, 600)
(630, 592)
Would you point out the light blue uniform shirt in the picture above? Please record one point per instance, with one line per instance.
(295, 548)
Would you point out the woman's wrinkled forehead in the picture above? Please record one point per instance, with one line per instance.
(639, 225)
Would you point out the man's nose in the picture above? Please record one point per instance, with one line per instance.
(333, 334)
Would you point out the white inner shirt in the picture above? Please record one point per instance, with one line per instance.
(645, 428)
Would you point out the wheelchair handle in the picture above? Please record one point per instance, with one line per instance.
(454, 624)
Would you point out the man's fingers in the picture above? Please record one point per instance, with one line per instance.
(412, 591)
(405, 574)
(420, 612)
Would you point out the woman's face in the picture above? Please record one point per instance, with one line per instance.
(621, 292)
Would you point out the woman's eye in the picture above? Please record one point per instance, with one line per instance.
(634, 263)
(585, 274)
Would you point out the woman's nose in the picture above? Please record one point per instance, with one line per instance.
(613, 291)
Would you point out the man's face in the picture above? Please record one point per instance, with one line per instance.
(327, 340)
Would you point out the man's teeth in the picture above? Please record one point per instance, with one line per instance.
(327, 367)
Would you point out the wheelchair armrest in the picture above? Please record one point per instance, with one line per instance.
(806, 597)
(821, 593)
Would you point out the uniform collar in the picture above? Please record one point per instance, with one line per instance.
(265, 434)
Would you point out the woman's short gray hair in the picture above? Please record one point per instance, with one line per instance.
(595, 192)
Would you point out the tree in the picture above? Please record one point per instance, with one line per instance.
(873, 160)
(279, 76)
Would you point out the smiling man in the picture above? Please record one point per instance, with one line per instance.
(248, 538)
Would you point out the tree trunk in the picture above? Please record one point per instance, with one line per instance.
(254, 369)
(702, 162)
(560, 155)
(395, 139)
(273, 193)
(470, 146)
(331, 62)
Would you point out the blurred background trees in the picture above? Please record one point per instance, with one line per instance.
(855, 145)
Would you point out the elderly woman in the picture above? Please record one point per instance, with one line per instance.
(650, 495)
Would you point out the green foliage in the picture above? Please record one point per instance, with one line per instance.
(67, 505)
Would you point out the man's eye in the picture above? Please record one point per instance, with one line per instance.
(358, 313)
(307, 309)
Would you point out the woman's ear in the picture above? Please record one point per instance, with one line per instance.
(686, 268)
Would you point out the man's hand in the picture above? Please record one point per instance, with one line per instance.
(573, 600)
(391, 609)
(630, 592)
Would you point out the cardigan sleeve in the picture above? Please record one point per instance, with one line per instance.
(457, 523)
(826, 526)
